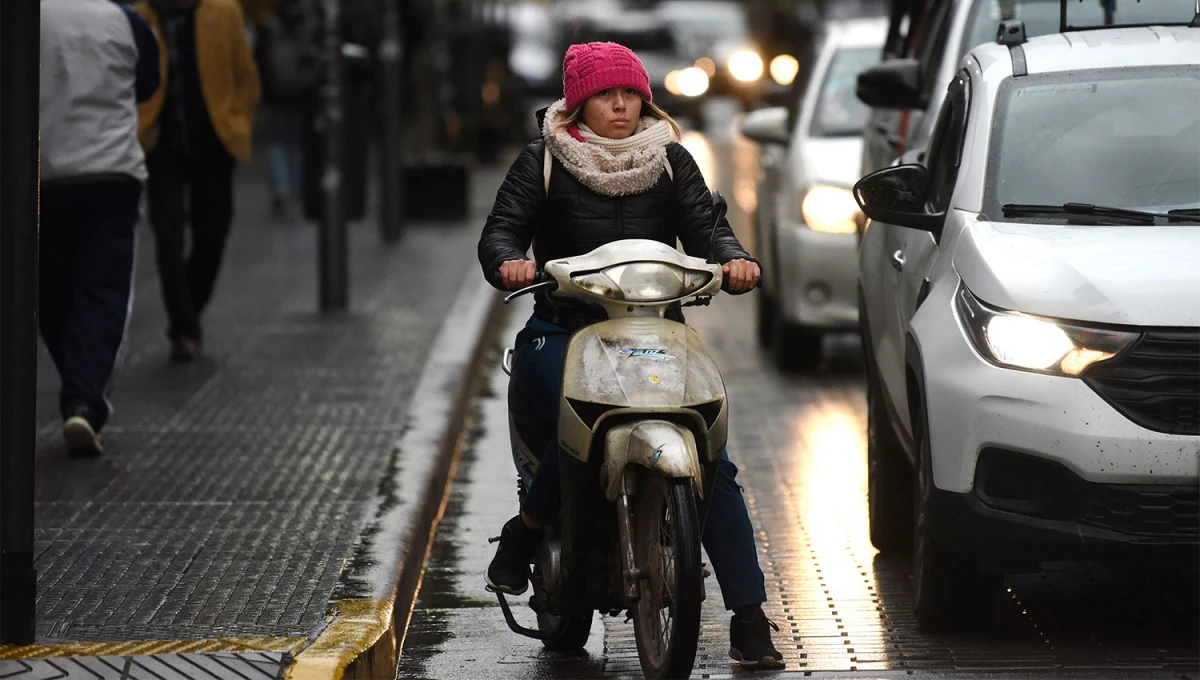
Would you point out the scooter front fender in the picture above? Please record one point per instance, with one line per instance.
(666, 448)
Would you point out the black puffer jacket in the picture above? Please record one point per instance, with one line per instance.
(572, 220)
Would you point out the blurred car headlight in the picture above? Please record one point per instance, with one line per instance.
(692, 82)
(1031, 343)
(671, 82)
(784, 69)
(832, 210)
(533, 63)
(746, 66)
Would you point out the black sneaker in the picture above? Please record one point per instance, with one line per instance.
(750, 642)
(509, 571)
(80, 434)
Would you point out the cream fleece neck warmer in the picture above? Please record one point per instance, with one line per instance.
(612, 167)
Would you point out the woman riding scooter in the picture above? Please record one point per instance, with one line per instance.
(616, 172)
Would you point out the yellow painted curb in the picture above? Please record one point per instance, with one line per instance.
(140, 648)
(357, 627)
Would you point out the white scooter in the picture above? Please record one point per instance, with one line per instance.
(642, 424)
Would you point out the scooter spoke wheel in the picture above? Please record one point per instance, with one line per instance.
(667, 535)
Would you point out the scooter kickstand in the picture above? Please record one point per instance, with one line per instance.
(512, 620)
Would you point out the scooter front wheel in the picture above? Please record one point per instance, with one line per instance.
(667, 544)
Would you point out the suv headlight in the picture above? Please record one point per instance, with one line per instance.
(1031, 343)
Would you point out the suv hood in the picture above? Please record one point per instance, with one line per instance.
(1131, 275)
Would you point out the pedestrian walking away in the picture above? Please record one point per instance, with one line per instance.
(288, 54)
(195, 127)
(99, 60)
(609, 167)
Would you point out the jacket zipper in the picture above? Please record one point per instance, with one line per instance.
(620, 217)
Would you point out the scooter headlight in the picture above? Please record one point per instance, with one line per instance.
(644, 282)
(1032, 343)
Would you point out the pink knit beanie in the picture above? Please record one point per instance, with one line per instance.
(590, 68)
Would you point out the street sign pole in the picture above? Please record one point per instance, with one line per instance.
(333, 255)
(391, 199)
(20, 28)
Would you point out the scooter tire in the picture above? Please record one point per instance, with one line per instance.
(666, 514)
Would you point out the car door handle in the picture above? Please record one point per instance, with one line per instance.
(898, 260)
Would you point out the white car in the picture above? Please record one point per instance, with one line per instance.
(806, 218)
(1030, 306)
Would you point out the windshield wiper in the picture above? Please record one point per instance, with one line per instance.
(1184, 214)
(1083, 209)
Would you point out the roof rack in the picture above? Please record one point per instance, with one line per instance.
(1012, 34)
(1110, 7)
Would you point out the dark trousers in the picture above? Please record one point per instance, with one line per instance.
(86, 246)
(195, 189)
(728, 535)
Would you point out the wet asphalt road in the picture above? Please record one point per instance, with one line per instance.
(843, 611)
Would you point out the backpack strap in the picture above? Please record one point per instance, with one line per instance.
(548, 164)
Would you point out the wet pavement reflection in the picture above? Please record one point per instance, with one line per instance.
(843, 611)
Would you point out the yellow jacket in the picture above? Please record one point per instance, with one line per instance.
(228, 76)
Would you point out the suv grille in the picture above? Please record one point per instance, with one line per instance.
(1166, 511)
(1156, 383)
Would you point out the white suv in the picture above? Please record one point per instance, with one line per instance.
(1030, 311)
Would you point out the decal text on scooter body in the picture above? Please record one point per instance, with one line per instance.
(651, 353)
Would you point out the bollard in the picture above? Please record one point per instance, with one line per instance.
(20, 28)
(332, 244)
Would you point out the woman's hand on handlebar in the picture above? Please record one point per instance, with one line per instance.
(740, 275)
(518, 274)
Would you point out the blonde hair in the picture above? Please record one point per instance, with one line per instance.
(648, 109)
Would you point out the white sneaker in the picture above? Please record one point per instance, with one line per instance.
(82, 438)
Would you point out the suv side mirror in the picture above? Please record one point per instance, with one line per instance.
(766, 126)
(897, 195)
(893, 84)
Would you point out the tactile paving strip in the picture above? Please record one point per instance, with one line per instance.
(256, 666)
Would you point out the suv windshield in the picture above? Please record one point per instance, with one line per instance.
(1126, 138)
(839, 112)
(1041, 16)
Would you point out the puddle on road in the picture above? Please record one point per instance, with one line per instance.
(457, 628)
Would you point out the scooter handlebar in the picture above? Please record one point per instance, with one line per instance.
(541, 280)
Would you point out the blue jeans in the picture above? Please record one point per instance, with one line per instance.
(728, 535)
(285, 136)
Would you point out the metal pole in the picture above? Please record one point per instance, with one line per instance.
(333, 249)
(20, 56)
(392, 199)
